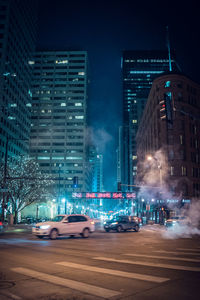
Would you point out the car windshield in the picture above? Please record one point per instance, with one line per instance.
(118, 219)
(178, 218)
(57, 218)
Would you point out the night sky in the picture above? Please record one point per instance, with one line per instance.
(105, 29)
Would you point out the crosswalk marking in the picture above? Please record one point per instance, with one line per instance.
(80, 286)
(166, 266)
(114, 272)
(163, 257)
(177, 253)
(10, 295)
(186, 249)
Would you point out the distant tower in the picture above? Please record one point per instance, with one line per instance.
(96, 170)
(169, 50)
(139, 69)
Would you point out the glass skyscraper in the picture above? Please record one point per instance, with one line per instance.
(18, 25)
(139, 68)
(59, 110)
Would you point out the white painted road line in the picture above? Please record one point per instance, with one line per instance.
(75, 285)
(114, 272)
(186, 249)
(156, 265)
(10, 295)
(163, 257)
(176, 253)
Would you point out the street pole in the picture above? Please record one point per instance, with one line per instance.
(4, 180)
(59, 193)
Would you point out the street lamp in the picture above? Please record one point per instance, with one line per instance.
(159, 166)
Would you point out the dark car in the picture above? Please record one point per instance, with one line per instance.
(177, 221)
(122, 223)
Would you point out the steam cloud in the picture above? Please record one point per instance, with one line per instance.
(190, 225)
(153, 177)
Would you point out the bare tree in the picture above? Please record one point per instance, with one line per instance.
(25, 183)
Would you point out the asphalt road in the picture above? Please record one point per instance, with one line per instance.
(129, 265)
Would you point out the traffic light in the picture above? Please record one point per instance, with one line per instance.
(75, 182)
(119, 186)
(166, 107)
(162, 109)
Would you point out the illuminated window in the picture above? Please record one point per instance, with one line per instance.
(134, 157)
(183, 171)
(63, 104)
(167, 84)
(79, 117)
(134, 121)
(81, 73)
(43, 157)
(61, 61)
(171, 171)
(78, 104)
(74, 157)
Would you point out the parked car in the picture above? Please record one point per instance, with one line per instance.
(122, 223)
(64, 225)
(177, 220)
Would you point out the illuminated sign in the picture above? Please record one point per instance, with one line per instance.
(76, 195)
(130, 195)
(117, 195)
(105, 195)
(90, 195)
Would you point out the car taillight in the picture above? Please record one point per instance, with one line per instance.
(1, 224)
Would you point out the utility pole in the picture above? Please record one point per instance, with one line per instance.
(59, 192)
(4, 180)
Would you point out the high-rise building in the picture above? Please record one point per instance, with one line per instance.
(18, 25)
(169, 134)
(95, 170)
(139, 68)
(59, 111)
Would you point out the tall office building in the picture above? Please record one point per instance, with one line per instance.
(95, 173)
(18, 24)
(59, 106)
(139, 68)
(169, 131)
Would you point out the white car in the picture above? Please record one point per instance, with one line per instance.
(63, 225)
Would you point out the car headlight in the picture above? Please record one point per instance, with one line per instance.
(114, 223)
(44, 226)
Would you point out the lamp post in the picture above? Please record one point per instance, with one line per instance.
(59, 191)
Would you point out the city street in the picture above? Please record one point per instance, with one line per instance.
(127, 265)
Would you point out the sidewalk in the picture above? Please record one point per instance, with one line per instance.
(18, 228)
